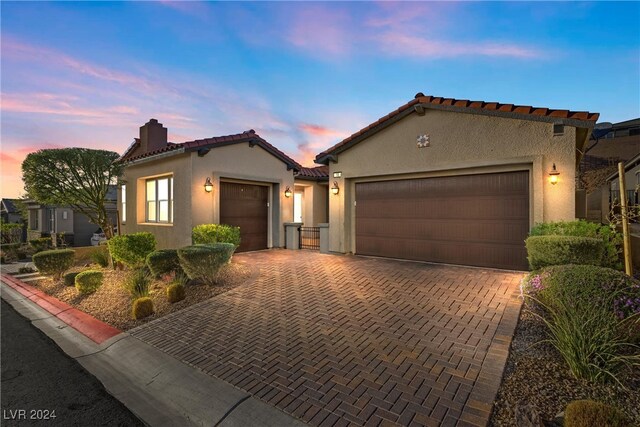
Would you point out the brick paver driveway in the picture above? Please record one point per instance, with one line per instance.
(338, 340)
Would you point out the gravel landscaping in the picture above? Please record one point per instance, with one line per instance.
(536, 375)
(111, 303)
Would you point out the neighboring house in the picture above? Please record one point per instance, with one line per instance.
(44, 220)
(239, 180)
(620, 142)
(9, 211)
(454, 181)
(631, 180)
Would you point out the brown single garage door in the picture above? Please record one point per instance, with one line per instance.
(245, 206)
(477, 220)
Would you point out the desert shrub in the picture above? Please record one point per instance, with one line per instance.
(587, 413)
(208, 234)
(25, 270)
(132, 249)
(70, 278)
(203, 262)
(40, 244)
(543, 251)
(100, 256)
(88, 281)
(54, 262)
(176, 292)
(138, 282)
(593, 317)
(142, 307)
(163, 261)
(611, 238)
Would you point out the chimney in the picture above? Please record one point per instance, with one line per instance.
(153, 136)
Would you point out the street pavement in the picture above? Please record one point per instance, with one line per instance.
(42, 386)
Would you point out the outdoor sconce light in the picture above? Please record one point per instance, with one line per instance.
(553, 175)
(287, 192)
(335, 189)
(208, 185)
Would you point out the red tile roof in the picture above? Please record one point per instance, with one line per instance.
(318, 173)
(428, 101)
(209, 143)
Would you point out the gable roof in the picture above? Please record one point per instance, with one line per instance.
(634, 162)
(204, 145)
(9, 205)
(318, 173)
(422, 102)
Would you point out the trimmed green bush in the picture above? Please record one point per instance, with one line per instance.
(176, 292)
(88, 281)
(54, 262)
(544, 251)
(208, 234)
(100, 256)
(611, 238)
(142, 307)
(588, 413)
(132, 249)
(25, 270)
(203, 262)
(164, 261)
(138, 282)
(40, 244)
(70, 278)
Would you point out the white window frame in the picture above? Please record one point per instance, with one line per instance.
(158, 201)
(123, 203)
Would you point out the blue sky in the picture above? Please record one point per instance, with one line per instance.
(304, 75)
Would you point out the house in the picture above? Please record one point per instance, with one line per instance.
(45, 220)
(240, 180)
(610, 144)
(9, 211)
(631, 180)
(454, 181)
(311, 196)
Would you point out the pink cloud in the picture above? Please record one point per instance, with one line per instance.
(189, 7)
(321, 30)
(318, 130)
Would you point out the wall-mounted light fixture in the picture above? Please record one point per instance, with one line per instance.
(287, 192)
(208, 185)
(335, 189)
(553, 175)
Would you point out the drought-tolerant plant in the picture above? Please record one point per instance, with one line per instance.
(54, 262)
(132, 249)
(543, 251)
(138, 282)
(88, 281)
(100, 256)
(70, 278)
(207, 234)
(40, 244)
(142, 307)
(10, 251)
(176, 292)
(164, 261)
(588, 413)
(203, 262)
(25, 270)
(610, 237)
(10, 232)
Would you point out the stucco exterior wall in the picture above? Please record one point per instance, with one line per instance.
(460, 143)
(314, 210)
(193, 205)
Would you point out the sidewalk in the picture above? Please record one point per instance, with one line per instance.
(157, 388)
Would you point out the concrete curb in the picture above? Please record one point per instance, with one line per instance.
(87, 325)
(157, 388)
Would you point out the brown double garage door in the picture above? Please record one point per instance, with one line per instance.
(246, 206)
(479, 220)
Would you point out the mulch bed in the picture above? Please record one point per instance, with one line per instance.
(111, 303)
(537, 375)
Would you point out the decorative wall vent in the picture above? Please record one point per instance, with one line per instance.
(423, 141)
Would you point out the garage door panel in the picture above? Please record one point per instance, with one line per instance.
(245, 206)
(473, 219)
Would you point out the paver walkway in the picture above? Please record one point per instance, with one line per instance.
(339, 340)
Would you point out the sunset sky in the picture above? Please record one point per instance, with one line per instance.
(303, 75)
